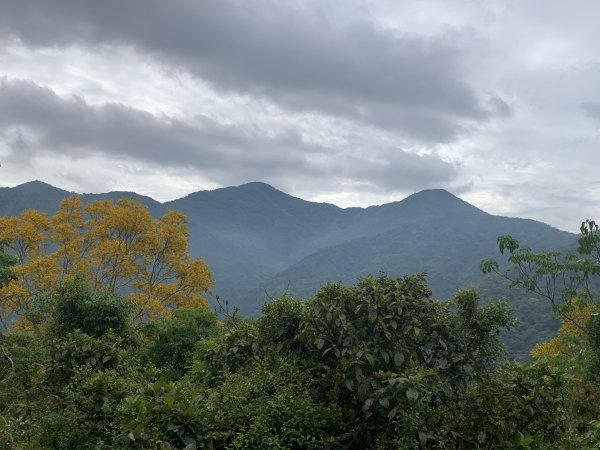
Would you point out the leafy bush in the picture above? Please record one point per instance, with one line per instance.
(70, 390)
(280, 322)
(388, 350)
(77, 349)
(593, 329)
(227, 353)
(172, 340)
(85, 414)
(256, 408)
(509, 404)
(78, 307)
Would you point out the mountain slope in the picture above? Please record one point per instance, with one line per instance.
(34, 194)
(444, 237)
(259, 241)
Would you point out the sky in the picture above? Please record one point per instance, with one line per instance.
(342, 101)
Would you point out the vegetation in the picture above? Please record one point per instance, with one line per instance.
(379, 364)
(7, 261)
(260, 242)
(118, 248)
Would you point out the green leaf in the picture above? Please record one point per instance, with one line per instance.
(481, 437)
(412, 394)
(398, 358)
(385, 402)
(423, 438)
(189, 441)
(372, 315)
(392, 413)
(488, 265)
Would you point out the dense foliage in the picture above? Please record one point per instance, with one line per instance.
(377, 365)
(118, 247)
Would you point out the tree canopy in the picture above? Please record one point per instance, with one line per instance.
(118, 247)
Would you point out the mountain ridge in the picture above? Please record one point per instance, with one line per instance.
(260, 241)
(35, 186)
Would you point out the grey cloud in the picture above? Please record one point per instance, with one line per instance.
(592, 110)
(502, 108)
(401, 170)
(40, 121)
(47, 122)
(290, 55)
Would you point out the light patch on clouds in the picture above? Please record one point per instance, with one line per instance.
(37, 122)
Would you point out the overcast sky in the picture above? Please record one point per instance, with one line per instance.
(344, 101)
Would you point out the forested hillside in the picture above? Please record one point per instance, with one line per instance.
(374, 365)
(258, 239)
(260, 242)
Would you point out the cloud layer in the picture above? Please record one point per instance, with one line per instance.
(294, 57)
(346, 101)
(35, 121)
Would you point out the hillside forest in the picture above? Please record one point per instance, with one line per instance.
(260, 242)
(108, 340)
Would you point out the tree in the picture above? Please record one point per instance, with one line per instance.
(567, 281)
(171, 341)
(118, 247)
(564, 279)
(34, 270)
(77, 307)
(393, 352)
(6, 262)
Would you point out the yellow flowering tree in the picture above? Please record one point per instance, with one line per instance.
(571, 338)
(572, 351)
(118, 247)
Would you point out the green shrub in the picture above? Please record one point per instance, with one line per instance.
(171, 341)
(84, 412)
(236, 347)
(78, 307)
(77, 349)
(509, 404)
(387, 350)
(280, 322)
(256, 408)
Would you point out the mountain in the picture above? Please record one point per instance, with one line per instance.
(260, 241)
(44, 197)
(448, 248)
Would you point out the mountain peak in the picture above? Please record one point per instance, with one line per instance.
(35, 183)
(36, 186)
(433, 194)
(256, 185)
(439, 198)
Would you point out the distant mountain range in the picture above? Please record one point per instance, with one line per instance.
(260, 241)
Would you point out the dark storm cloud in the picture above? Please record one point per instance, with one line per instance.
(34, 121)
(291, 55)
